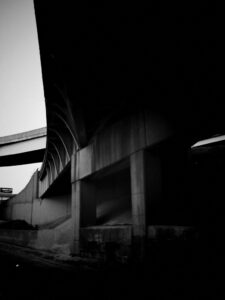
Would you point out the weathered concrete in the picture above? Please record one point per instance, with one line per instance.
(106, 242)
(101, 195)
(138, 193)
(48, 210)
(138, 198)
(88, 213)
(98, 126)
(130, 177)
(84, 160)
(55, 240)
(75, 208)
(120, 140)
(113, 197)
(154, 186)
(75, 212)
(169, 232)
(21, 206)
(27, 206)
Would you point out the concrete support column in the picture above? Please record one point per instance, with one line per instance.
(75, 207)
(35, 193)
(83, 202)
(75, 213)
(138, 199)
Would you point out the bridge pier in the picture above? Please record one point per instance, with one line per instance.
(75, 207)
(138, 200)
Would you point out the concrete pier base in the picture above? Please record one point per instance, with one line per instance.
(75, 208)
(138, 199)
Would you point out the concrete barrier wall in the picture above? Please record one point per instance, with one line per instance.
(21, 211)
(20, 206)
(39, 211)
(56, 240)
(27, 206)
(106, 242)
(44, 184)
(115, 242)
(48, 210)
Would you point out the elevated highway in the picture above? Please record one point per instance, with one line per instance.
(113, 172)
(23, 148)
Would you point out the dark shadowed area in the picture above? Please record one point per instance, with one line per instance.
(124, 205)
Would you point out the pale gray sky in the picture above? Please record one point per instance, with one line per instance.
(22, 106)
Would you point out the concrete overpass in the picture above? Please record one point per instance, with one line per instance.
(121, 121)
(23, 148)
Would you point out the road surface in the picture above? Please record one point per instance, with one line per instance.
(25, 274)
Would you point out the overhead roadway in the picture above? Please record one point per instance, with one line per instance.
(100, 63)
(23, 148)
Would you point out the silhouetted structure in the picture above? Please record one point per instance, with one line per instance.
(126, 95)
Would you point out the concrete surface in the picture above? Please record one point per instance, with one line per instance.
(55, 240)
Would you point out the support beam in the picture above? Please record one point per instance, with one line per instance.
(138, 199)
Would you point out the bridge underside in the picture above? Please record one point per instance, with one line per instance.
(127, 95)
(101, 63)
